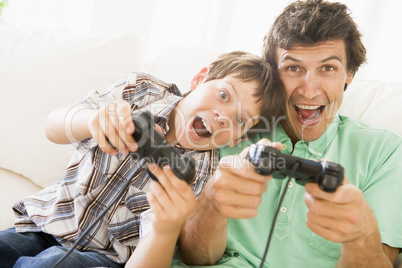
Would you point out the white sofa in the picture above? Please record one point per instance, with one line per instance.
(43, 69)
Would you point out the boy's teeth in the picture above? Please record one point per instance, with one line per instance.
(206, 125)
(308, 107)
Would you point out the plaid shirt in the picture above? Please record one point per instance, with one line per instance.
(66, 208)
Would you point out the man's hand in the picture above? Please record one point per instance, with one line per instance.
(112, 128)
(345, 217)
(237, 189)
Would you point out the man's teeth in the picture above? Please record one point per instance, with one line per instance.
(308, 107)
(207, 127)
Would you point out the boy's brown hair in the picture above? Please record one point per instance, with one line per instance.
(250, 67)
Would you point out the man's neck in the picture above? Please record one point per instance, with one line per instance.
(294, 139)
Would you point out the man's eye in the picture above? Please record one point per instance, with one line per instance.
(329, 68)
(240, 121)
(223, 95)
(293, 68)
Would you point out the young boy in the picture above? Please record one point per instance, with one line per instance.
(225, 101)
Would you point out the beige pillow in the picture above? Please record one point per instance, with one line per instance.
(376, 103)
(43, 69)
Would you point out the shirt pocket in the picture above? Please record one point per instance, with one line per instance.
(326, 247)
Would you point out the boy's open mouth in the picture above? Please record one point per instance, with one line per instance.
(309, 112)
(201, 127)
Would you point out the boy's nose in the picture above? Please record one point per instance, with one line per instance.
(223, 118)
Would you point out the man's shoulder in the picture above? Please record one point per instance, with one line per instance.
(356, 128)
(361, 139)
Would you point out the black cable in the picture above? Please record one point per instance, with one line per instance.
(295, 166)
(100, 216)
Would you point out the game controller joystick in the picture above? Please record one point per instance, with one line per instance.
(153, 147)
(270, 161)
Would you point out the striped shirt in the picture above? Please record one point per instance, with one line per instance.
(93, 178)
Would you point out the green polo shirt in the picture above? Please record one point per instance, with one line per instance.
(372, 159)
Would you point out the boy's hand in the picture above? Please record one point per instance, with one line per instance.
(112, 126)
(171, 200)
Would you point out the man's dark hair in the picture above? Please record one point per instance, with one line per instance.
(307, 23)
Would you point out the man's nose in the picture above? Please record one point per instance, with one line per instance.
(310, 86)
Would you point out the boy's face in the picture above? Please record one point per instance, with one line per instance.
(216, 113)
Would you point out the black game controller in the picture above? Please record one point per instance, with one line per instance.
(153, 147)
(270, 161)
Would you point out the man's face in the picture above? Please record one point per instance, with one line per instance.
(216, 113)
(314, 78)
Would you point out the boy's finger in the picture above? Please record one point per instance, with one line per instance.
(179, 187)
(154, 203)
(159, 129)
(158, 189)
(125, 124)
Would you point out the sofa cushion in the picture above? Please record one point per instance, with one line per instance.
(15, 188)
(180, 63)
(377, 103)
(43, 69)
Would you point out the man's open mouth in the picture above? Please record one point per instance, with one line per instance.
(309, 112)
(201, 127)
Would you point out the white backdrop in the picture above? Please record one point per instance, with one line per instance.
(221, 24)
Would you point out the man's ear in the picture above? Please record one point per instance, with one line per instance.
(199, 78)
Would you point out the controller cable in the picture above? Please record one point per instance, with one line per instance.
(125, 186)
(295, 166)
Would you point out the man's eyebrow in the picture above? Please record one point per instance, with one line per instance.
(290, 58)
(335, 57)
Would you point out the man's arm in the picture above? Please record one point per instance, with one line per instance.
(234, 191)
(346, 217)
(203, 236)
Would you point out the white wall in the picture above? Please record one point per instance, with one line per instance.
(221, 24)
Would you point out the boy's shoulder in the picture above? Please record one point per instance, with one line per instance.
(142, 82)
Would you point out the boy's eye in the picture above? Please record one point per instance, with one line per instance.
(240, 121)
(223, 95)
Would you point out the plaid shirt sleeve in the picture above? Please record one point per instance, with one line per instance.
(66, 208)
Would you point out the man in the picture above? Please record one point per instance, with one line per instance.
(317, 49)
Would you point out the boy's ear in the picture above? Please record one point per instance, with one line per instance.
(199, 78)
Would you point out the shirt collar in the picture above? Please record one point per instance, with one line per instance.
(161, 110)
(317, 147)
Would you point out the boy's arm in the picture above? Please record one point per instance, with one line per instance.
(203, 237)
(59, 129)
(154, 250)
(111, 123)
(171, 200)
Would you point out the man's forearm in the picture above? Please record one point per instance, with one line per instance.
(203, 237)
(367, 253)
